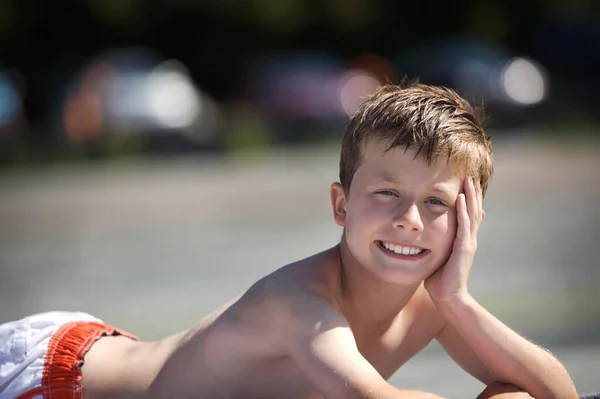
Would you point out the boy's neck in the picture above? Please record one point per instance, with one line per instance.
(366, 298)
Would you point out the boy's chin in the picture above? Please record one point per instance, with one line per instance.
(406, 275)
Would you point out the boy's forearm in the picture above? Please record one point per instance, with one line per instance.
(508, 356)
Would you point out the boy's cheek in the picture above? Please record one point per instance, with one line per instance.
(366, 212)
(448, 222)
(445, 224)
(445, 228)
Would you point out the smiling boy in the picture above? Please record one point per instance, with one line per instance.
(415, 166)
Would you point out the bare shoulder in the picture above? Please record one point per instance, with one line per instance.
(302, 292)
(275, 305)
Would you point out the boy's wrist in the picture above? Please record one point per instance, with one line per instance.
(451, 305)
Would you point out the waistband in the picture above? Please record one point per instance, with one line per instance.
(61, 377)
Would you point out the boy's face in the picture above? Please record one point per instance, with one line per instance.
(400, 216)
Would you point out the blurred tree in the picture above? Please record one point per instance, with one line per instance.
(353, 13)
(489, 20)
(573, 9)
(118, 12)
(281, 16)
(48, 40)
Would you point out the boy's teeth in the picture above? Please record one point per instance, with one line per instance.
(402, 250)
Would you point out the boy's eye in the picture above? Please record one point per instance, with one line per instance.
(387, 192)
(436, 201)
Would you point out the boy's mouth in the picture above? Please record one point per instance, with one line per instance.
(400, 249)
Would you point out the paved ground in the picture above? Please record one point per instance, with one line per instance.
(153, 246)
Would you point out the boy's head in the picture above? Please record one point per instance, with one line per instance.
(434, 121)
(404, 159)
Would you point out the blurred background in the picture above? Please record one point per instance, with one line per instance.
(156, 158)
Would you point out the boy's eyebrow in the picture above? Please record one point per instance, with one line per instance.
(441, 188)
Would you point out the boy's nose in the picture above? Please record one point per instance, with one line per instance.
(409, 218)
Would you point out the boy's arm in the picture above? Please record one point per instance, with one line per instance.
(499, 352)
(324, 348)
(503, 354)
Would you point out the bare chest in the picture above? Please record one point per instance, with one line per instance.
(389, 351)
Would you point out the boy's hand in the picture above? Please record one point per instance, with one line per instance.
(498, 390)
(449, 282)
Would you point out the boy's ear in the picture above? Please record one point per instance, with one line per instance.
(338, 204)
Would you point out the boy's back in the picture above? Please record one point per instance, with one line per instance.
(244, 350)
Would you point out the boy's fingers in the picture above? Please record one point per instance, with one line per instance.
(462, 215)
(498, 390)
(479, 199)
(471, 197)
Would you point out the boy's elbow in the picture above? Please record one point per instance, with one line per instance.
(562, 385)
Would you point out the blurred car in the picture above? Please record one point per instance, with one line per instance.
(305, 95)
(13, 121)
(510, 87)
(12, 115)
(135, 92)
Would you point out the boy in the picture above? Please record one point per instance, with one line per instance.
(415, 166)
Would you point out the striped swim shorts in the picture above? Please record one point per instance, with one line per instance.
(41, 355)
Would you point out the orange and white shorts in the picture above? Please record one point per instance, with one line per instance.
(41, 355)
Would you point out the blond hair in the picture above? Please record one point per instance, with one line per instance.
(435, 121)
